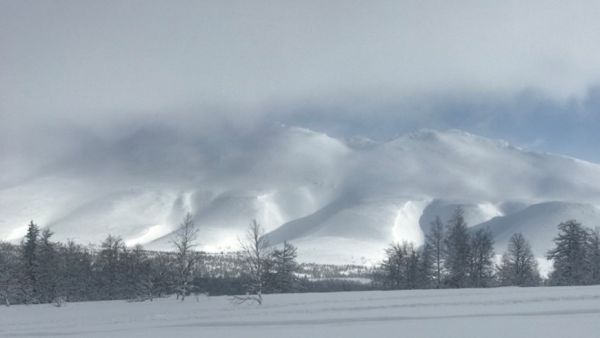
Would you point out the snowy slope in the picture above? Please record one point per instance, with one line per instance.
(538, 223)
(555, 312)
(338, 200)
(473, 213)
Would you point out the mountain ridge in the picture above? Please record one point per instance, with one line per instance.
(303, 186)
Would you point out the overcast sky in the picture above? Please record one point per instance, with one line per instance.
(524, 71)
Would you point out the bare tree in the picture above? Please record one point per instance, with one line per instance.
(481, 258)
(435, 240)
(518, 266)
(256, 253)
(401, 267)
(110, 267)
(184, 241)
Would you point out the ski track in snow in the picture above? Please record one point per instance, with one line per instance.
(516, 312)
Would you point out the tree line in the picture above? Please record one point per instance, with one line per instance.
(453, 256)
(40, 270)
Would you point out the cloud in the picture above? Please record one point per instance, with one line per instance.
(85, 82)
(75, 59)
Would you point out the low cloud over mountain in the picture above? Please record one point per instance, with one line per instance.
(339, 200)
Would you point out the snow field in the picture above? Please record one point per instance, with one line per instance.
(502, 312)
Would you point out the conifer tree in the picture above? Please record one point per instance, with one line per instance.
(284, 267)
(413, 268)
(457, 240)
(29, 283)
(594, 256)
(47, 268)
(436, 250)
(9, 272)
(427, 268)
(569, 256)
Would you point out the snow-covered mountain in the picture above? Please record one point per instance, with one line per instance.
(538, 223)
(337, 200)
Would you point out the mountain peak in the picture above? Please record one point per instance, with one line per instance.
(320, 188)
(452, 136)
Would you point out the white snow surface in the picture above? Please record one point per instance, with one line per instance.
(337, 201)
(495, 313)
(538, 223)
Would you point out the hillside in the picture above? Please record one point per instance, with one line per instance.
(340, 201)
(538, 223)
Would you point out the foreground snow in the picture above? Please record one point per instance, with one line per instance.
(503, 312)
